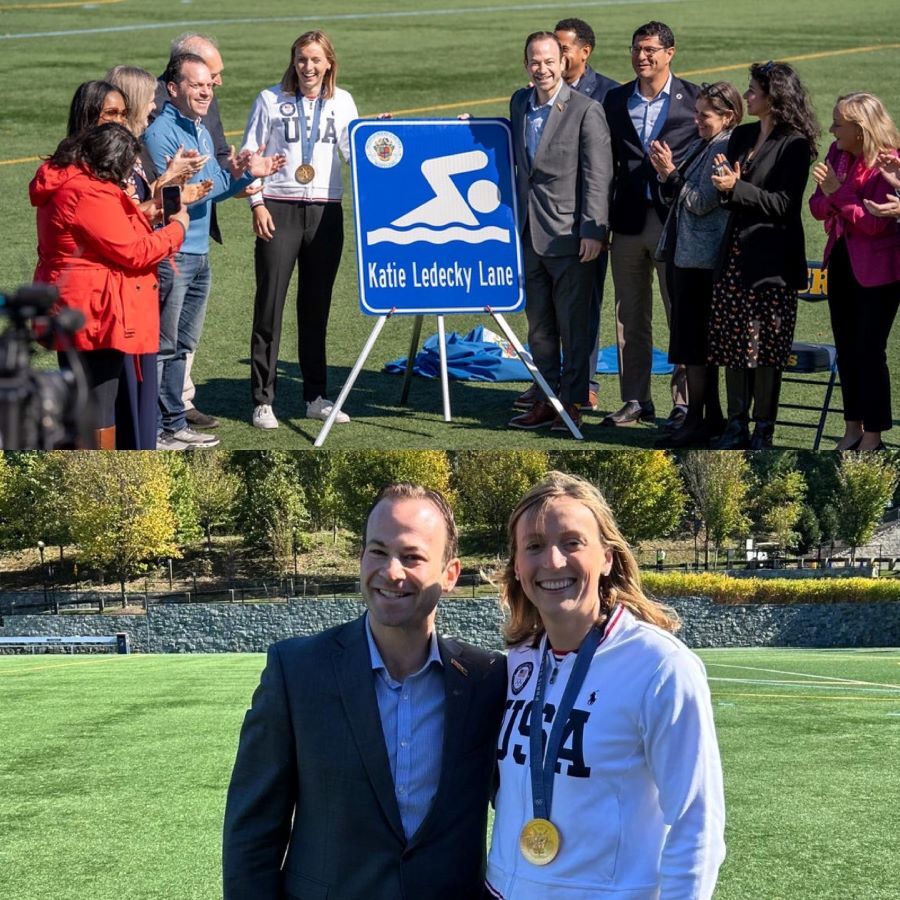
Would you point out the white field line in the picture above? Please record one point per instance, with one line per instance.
(336, 17)
(806, 684)
(830, 678)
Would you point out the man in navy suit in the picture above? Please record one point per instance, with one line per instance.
(655, 106)
(578, 43)
(366, 762)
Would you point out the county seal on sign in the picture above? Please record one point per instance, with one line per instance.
(521, 676)
(384, 149)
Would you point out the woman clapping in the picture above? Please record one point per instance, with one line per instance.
(863, 260)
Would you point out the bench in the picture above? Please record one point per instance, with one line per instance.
(64, 644)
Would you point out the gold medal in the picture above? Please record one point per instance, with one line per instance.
(305, 173)
(539, 841)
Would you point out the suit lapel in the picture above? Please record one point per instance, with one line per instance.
(521, 151)
(353, 669)
(459, 684)
(554, 120)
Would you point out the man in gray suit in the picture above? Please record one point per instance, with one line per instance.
(366, 762)
(563, 171)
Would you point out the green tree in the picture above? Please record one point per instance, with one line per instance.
(488, 484)
(183, 498)
(718, 482)
(808, 529)
(214, 489)
(866, 483)
(642, 487)
(360, 474)
(119, 510)
(33, 506)
(317, 473)
(779, 504)
(271, 503)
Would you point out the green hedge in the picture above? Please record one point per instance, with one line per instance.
(723, 589)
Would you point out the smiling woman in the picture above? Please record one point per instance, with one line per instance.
(628, 757)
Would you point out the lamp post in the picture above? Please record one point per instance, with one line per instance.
(294, 548)
(40, 546)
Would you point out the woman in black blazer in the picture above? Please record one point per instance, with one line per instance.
(762, 264)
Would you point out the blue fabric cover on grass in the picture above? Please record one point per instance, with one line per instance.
(482, 355)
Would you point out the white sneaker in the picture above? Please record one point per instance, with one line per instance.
(263, 417)
(320, 408)
(191, 438)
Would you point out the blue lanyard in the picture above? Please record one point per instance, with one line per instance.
(308, 141)
(543, 766)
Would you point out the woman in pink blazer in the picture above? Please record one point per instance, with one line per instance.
(863, 259)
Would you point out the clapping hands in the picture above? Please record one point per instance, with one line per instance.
(255, 163)
(826, 178)
(724, 177)
(661, 159)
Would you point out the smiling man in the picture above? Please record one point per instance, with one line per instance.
(184, 281)
(563, 169)
(365, 764)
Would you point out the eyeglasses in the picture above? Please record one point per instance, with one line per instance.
(711, 91)
(113, 115)
(648, 51)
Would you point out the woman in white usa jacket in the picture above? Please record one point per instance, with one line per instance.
(298, 218)
(637, 799)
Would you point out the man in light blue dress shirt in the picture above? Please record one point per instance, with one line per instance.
(657, 105)
(366, 762)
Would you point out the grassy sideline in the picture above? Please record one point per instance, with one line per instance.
(113, 772)
(418, 58)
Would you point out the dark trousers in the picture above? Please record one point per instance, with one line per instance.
(861, 320)
(137, 403)
(558, 308)
(311, 235)
(102, 369)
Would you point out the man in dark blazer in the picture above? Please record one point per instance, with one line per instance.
(655, 106)
(366, 762)
(563, 169)
(578, 43)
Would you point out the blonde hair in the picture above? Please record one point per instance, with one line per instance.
(622, 585)
(869, 114)
(140, 88)
(290, 83)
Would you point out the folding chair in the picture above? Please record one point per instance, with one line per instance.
(808, 359)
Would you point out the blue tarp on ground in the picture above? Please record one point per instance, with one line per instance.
(482, 355)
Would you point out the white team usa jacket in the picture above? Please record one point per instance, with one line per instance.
(637, 797)
(274, 123)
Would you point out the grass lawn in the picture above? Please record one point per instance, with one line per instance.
(415, 57)
(113, 772)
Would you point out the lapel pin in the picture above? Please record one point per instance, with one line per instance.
(679, 96)
(459, 666)
(560, 107)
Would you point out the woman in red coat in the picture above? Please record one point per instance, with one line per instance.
(99, 250)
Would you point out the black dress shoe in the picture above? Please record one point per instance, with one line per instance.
(676, 418)
(736, 436)
(197, 419)
(762, 435)
(686, 436)
(633, 411)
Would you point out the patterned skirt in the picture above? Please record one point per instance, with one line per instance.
(750, 327)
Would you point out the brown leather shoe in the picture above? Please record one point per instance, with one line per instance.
(541, 414)
(560, 427)
(592, 402)
(525, 401)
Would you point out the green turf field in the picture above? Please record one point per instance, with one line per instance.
(420, 57)
(113, 773)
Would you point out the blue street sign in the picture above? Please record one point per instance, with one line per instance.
(435, 210)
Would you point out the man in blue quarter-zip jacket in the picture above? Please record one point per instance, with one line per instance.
(185, 279)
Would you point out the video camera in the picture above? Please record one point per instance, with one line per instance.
(40, 410)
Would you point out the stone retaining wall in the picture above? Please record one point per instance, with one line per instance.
(223, 627)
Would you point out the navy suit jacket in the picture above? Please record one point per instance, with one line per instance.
(311, 808)
(594, 85)
(633, 172)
